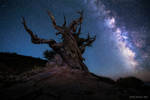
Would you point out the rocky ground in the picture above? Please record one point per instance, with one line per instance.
(26, 78)
(62, 83)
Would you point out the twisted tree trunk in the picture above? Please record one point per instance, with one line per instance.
(72, 46)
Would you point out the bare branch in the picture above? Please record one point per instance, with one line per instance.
(35, 39)
(89, 41)
(79, 30)
(54, 22)
(64, 21)
(76, 22)
(82, 47)
(83, 43)
(57, 33)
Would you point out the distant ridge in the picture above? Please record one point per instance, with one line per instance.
(15, 64)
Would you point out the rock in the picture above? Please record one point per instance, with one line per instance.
(64, 83)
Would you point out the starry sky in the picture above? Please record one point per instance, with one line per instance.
(122, 28)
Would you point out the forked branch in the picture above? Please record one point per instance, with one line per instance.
(35, 39)
(59, 28)
(76, 22)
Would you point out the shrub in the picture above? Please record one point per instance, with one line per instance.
(49, 54)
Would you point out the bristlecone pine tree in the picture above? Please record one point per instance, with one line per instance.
(72, 46)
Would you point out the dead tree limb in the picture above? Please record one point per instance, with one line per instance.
(72, 46)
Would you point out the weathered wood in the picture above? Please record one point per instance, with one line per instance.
(72, 46)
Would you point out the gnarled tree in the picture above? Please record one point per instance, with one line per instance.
(72, 46)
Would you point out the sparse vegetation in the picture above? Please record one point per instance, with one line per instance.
(49, 54)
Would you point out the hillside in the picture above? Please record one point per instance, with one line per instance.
(64, 83)
(12, 63)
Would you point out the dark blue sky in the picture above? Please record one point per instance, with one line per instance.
(103, 58)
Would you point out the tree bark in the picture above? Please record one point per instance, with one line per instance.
(72, 46)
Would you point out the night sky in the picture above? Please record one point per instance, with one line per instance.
(122, 27)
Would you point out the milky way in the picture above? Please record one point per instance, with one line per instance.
(127, 22)
(120, 36)
(123, 43)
